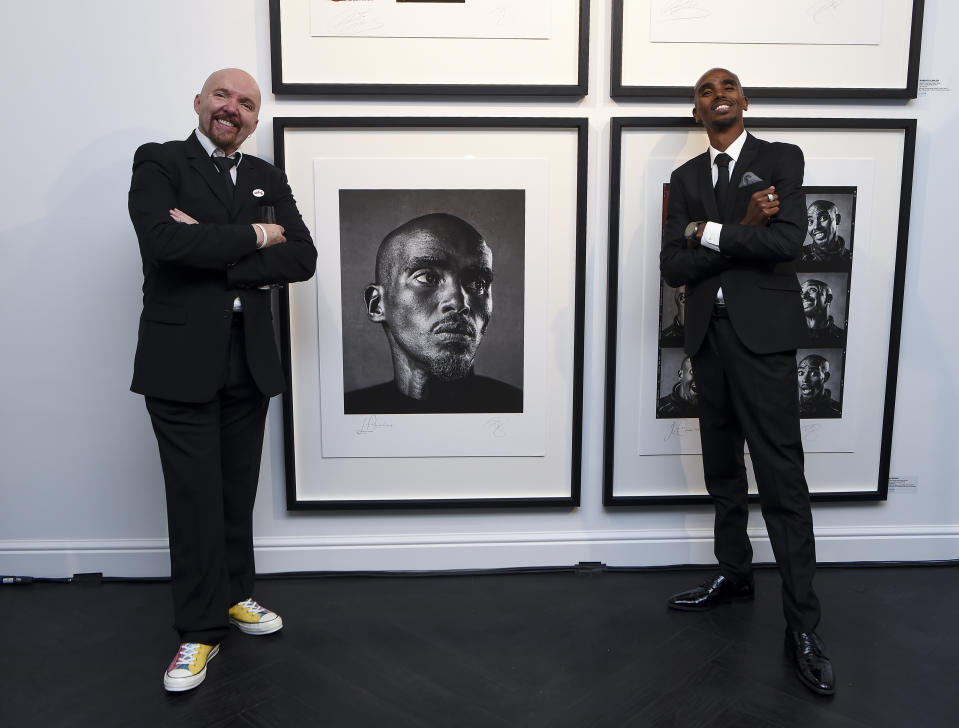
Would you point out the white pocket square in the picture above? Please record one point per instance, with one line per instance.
(749, 178)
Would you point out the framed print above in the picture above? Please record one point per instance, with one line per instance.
(820, 49)
(851, 270)
(435, 360)
(468, 47)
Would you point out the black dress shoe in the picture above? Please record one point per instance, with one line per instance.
(712, 592)
(805, 649)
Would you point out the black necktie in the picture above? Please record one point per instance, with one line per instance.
(225, 164)
(722, 182)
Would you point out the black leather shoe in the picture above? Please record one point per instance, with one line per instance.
(712, 592)
(805, 649)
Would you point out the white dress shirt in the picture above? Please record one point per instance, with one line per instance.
(712, 230)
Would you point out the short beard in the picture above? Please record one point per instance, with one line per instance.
(450, 366)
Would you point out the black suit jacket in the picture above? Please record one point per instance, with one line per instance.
(192, 273)
(755, 268)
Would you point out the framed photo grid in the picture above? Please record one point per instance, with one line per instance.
(480, 47)
(858, 182)
(436, 358)
(820, 49)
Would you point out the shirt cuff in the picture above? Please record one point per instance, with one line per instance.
(711, 235)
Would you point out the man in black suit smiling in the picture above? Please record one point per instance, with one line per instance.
(206, 357)
(736, 221)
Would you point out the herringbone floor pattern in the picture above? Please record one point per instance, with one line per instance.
(555, 649)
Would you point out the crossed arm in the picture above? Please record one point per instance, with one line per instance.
(170, 236)
(770, 230)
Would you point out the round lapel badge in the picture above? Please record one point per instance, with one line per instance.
(258, 192)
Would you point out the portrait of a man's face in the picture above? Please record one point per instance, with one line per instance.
(822, 223)
(816, 297)
(813, 373)
(678, 396)
(426, 301)
(830, 223)
(819, 391)
(433, 295)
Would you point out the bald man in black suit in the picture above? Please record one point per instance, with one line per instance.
(206, 356)
(736, 220)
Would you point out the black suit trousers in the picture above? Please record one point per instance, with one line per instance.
(752, 398)
(210, 453)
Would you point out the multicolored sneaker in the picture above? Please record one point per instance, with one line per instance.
(251, 618)
(188, 668)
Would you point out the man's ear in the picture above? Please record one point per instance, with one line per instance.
(825, 377)
(745, 103)
(695, 114)
(374, 303)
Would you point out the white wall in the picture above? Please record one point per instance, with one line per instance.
(84, 83)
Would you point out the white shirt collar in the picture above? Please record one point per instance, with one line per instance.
(733, 150)
(212, 149)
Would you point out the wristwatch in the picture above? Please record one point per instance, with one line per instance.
(692, 228)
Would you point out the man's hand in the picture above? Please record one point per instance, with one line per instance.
(274, 234)
(693, 242)
(763, 204)
(181, 216)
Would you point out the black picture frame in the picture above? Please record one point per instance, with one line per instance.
(707, 57)
(575, 88)
(563, 453)
(629, 479)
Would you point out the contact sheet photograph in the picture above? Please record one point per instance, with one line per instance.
(443, 331)
(857, 189)
(469, 47)
(816, 49)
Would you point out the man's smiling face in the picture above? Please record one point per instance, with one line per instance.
(719, 101)
(227, 107)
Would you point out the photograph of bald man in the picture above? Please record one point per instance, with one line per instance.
(432, 295)
(830, 217)
(815, 398)
(818, 303)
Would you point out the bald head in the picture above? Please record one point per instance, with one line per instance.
(822, 223)
(813, 373)
(720, 74)
(718, 104)
(228, 108)
(436, 229)
(433, 296)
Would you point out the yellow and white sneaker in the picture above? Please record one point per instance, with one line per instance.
(251, 618)
(188, 668)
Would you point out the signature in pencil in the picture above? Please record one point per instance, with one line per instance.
(497, 427)
(684, 10)
(358, 22)
(824, 10)
(371, 424)
(678, 429)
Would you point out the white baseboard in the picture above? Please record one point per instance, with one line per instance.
(428, 552)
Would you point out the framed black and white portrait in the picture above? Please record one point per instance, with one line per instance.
(441, 339)
(823, 49)
(422, 47)
(497, 217)
(858, 182)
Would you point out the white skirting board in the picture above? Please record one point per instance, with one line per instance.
(439, 552)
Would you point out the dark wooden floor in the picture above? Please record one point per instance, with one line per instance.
(549, 649)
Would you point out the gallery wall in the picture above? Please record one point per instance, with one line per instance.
(80, 486)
